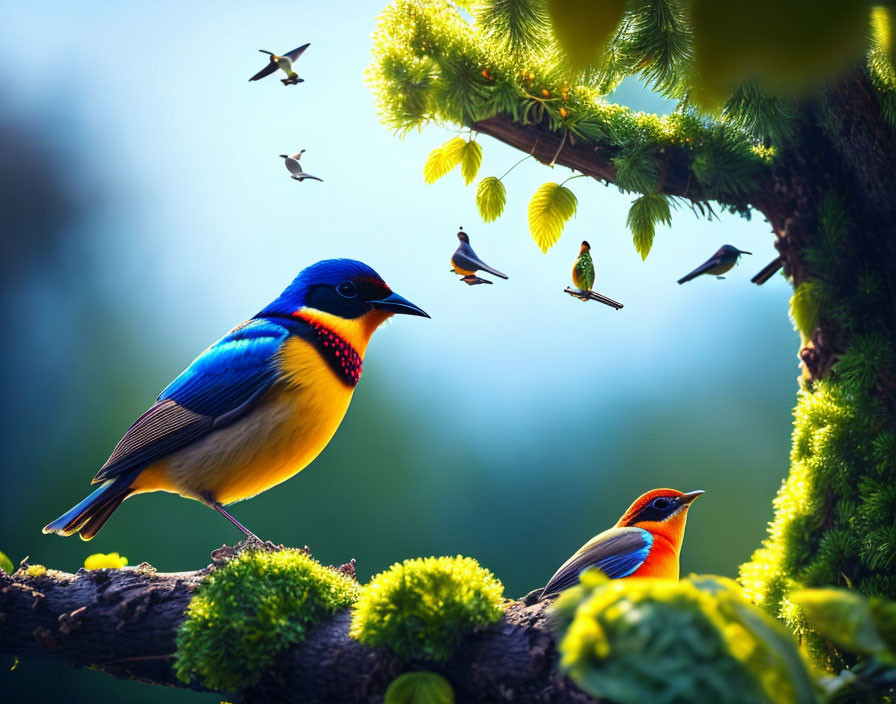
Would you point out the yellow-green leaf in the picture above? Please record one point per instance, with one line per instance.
(6, 564)
(551, 206)
(643, 216)
(419, 688)
(470, 160)
(441, 160)
(99, 561)
(805, 304)
(491, 196)
(583, 27)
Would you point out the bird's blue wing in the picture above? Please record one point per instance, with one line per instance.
(617, 553)
(217, 388)
(266, 71)
(296, 53)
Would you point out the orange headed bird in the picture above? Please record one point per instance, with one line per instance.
(645, 542)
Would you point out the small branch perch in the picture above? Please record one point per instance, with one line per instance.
(123, 622)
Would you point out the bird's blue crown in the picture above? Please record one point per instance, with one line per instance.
(329, 272)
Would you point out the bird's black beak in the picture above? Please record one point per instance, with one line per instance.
(394, 303)
(690, 496)
(283, 156)
(743, 251)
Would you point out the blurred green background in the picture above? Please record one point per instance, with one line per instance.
(145, 212)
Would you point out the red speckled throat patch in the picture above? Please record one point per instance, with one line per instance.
(339, 354)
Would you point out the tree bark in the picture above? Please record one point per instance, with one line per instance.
(124, 622)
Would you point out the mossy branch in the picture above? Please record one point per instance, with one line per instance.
(124, 622)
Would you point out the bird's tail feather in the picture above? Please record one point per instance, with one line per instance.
(768, 271)
(493, 272)
(693, 275)
(90, 515)
(594, 296)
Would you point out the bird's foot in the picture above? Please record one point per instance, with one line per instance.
(532, 597)
(253, 542)
(474, 280)
(577, 293)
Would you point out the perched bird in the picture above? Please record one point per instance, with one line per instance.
(257, 406)
(719, 263)
(465, 262)
(645, 542)
(284, 62)
(583, 278)
(768, 271)
(295, 168)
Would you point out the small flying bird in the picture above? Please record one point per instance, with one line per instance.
(719, 263)
(257, 406)
(465, 262)
(583, 278)
(284, 62)
(768, 271)
(645, 542)
(295, 168)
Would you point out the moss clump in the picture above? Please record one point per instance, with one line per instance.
(99, 561)
(641, 640)
(422, 608)
(250, 609)
(419, 688)
(35, 570)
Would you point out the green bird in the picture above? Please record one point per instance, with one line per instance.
(583, 278)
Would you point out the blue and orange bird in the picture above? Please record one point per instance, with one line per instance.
(645, 542)
(465, 262)
(257, 406)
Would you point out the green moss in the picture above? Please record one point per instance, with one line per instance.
(250, 609)
(35, 570)
(431, 65)
(419, 688)
(422, 608)
(641, 640)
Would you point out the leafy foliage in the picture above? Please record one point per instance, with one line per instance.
(549, 209)
(491, 196)
(443, 159)
(645, 214)
(421, 608)
(470, 160)
(639, 640)
(431, 65)
(6, 564)
(515, 25)
(880, 63)
(419, 688)
(804, 307)
(258, 596)
(99, 561)
(859, 625)
(635, 169)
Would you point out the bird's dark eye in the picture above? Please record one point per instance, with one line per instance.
(661, 504)
(347, 289)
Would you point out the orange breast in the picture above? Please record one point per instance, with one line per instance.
(661, 563)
